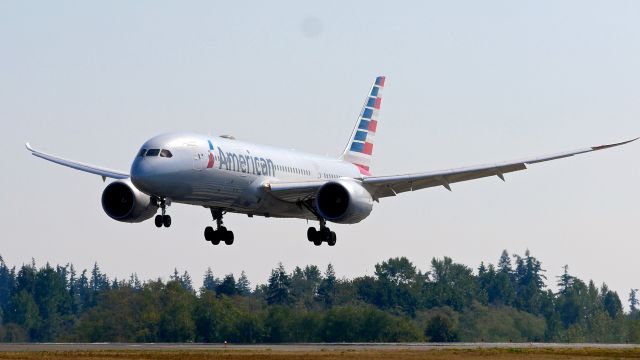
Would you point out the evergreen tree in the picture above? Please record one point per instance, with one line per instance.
(612, 303)
(633, 301)
(186, 282)
(327, 288)
(134, 282)
(7, 278)
(98, 281)
(565, 280)
(504, 263)
(530, 285)
(209, 282)
(279, 287)
(83, 291)
(243, 286)
(227, 286)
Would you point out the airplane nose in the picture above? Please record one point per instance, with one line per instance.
(142, 175)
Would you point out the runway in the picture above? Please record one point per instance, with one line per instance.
(5, 347)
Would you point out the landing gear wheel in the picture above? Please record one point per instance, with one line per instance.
(228, 237)
(317, 241)
(312, 234)
(158, 220)
(208, 233)
(325, 235)
(333, 239)
(215, 237)
(166, 221)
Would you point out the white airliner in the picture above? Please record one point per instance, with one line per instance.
(227, 175)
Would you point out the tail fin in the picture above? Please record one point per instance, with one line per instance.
(360, 145)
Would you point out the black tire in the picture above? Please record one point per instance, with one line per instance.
(312, 234)
(325, 235)
(215, 239)
(158, 220)
(208, 233)
(333, 239)
(317, 242)
(166, 221)
(228, 238)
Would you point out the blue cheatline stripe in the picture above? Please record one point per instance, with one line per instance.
(364, 125)
(360, 136)
(357, 146)
(210, 145)
(374, 91)
(371, 102)
(366, 114)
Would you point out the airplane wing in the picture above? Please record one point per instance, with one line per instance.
(93, 169)
(384, 186)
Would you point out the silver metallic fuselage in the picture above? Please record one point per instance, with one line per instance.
(234, 178)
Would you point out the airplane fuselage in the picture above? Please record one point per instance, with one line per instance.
(225, 173)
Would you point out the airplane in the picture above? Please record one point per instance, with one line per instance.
(226, 175)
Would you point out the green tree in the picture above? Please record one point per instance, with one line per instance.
(452, 284)
(279, 287)
(176, 323)
(611, 301)
(243, 286)
(633, 301)
(209, 282)
(441, 328)
(327, 288)
(227, 286)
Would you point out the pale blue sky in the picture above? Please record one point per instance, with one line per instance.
(468, 82)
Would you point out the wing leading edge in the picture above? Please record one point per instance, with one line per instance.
(384, 186)
(93, 169)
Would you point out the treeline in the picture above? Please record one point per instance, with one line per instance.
(449, 302)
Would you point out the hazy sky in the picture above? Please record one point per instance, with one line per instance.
(468, 82)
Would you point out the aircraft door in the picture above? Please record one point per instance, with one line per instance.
(200, 157)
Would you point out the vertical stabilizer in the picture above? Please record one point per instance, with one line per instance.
(360, 146)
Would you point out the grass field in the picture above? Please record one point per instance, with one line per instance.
(502, 353)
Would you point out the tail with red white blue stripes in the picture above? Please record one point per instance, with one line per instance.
(360, 147)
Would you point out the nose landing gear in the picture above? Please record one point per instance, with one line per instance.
(164, 219)
(323, 235)
(221, 233)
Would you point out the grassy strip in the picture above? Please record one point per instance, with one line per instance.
(324, 354)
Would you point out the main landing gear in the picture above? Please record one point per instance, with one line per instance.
(221, 233)
(323, 235)
(163, 219)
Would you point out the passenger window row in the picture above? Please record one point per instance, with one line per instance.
(293, 170)
(330, 176)
(155, 152)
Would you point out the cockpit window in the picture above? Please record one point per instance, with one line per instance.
(165, 153)
(153, 152)
(142, 151)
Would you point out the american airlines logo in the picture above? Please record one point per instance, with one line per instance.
(245, 163)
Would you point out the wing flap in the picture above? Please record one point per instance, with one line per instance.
(93, 169)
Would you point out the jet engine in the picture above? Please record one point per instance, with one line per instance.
(343, 201)
(123, 202)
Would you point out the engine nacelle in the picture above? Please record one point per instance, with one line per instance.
(344, 201)
(123, 202)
